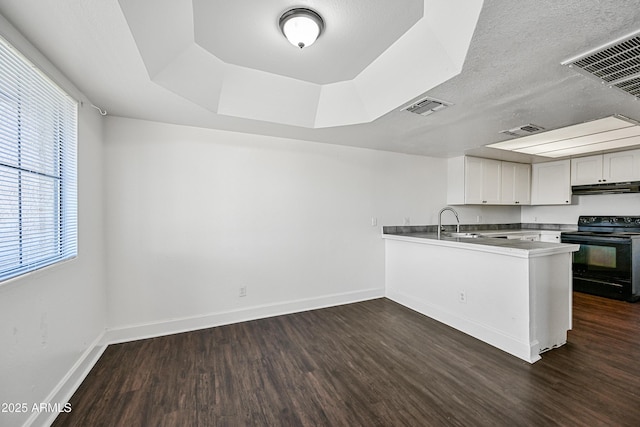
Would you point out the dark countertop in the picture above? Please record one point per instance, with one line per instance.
(511, 247)
(511, 227)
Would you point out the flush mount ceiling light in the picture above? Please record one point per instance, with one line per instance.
(301, 26)
(609, 133)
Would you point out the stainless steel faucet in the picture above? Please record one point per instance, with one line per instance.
(447, 208)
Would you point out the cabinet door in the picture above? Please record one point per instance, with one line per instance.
(586, 170)
(551, 183)
(516, 184)
(473, 180)
(491, 181)
(523, 184)
(622, 166)
(482, 181)
(550, 236)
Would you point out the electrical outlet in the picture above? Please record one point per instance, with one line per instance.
(479, 219)
(407, 220)
(243, 291)
(462, 297)
(374, 221)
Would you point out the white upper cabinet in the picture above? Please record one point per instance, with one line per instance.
(478, 181)
(606, 168)
(482, 181)
(622, 166)
(516, 184)
(551, 183)
(586, 170)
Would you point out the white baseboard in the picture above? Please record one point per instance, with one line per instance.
(62, 392)
(477, 330)
(174, 326)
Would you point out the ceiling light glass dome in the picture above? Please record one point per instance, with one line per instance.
(301, 26)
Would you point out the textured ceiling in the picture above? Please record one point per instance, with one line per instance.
(511, 75)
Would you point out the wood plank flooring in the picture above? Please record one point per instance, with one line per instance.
(373, 363)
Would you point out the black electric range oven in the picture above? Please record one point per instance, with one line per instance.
(608, 262)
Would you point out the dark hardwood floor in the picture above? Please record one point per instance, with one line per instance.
(373, 363)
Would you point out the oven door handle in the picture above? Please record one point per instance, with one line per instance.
(602, 282)
(594, 239)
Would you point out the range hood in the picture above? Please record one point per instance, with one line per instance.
(613, 188)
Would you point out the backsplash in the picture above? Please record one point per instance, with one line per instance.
(404, 229)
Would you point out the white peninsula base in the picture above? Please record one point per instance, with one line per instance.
(516, 299)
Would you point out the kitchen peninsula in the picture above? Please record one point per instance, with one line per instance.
(512, 294)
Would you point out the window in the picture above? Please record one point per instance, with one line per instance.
(38, 197)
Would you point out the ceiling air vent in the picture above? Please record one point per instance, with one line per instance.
(426, 106)
(523, 130)
(616, 63)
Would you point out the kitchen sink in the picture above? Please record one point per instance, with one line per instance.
(463, 235)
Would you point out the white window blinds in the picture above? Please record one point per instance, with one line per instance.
(38, 197)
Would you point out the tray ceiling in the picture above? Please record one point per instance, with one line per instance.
(512, 74)
(230, 57)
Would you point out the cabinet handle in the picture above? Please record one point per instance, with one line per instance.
(484, 201)
(604, 180)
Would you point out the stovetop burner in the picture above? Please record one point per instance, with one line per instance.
(609, 224)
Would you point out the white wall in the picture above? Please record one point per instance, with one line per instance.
(195, 214)
(50, 319)
(602, 204)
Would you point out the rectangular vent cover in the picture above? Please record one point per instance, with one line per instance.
(427, 106)
(616, 63)
(523, 130)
